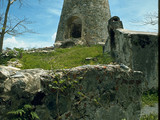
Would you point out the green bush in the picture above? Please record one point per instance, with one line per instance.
(25, 113)
(10, 54)
(20, 52)
(150, 97)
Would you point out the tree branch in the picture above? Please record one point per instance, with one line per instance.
(148, 19)
(12, 2)
(15, 26)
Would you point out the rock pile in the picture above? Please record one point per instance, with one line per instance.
(9, 53)
(41, 50)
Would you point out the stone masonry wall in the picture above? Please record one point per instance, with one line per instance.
(138, 50)
(97, 92)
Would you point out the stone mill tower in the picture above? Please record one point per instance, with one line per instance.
(84, 21)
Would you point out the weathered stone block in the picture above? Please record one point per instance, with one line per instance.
(138, 50)
(92, 92)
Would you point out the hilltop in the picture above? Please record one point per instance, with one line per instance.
(64, 58)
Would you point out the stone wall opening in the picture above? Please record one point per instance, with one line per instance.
(112, 43)
(74, 27)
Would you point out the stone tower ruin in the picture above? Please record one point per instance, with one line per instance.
(83, 22)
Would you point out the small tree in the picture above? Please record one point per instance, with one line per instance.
(150, 18)
(6, 24)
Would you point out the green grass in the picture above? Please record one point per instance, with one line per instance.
(3, 61)
(65, 58)
(150, 98)
(149, 117)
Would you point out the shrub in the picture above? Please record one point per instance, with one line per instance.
(150, 97)
(25, 113)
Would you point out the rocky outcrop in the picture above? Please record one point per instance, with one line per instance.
(97, 92)
(66, 44)
(138, 50)
(15, 63)
(40, 50)
(8, 54)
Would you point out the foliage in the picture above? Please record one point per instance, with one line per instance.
(150, 97)
(65, 58)
(20, 52)
(25, 113)
(60, 84)
(149, 117)
(8, 25)
(94, 100)
(11, 54)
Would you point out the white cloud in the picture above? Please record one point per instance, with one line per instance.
(55, 11)
(14, 42)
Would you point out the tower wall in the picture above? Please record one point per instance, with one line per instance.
(84, 21)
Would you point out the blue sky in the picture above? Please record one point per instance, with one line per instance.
(45, 16)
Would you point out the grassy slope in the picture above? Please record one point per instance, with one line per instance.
(72, 57)
(65, 58)
(75, 56)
